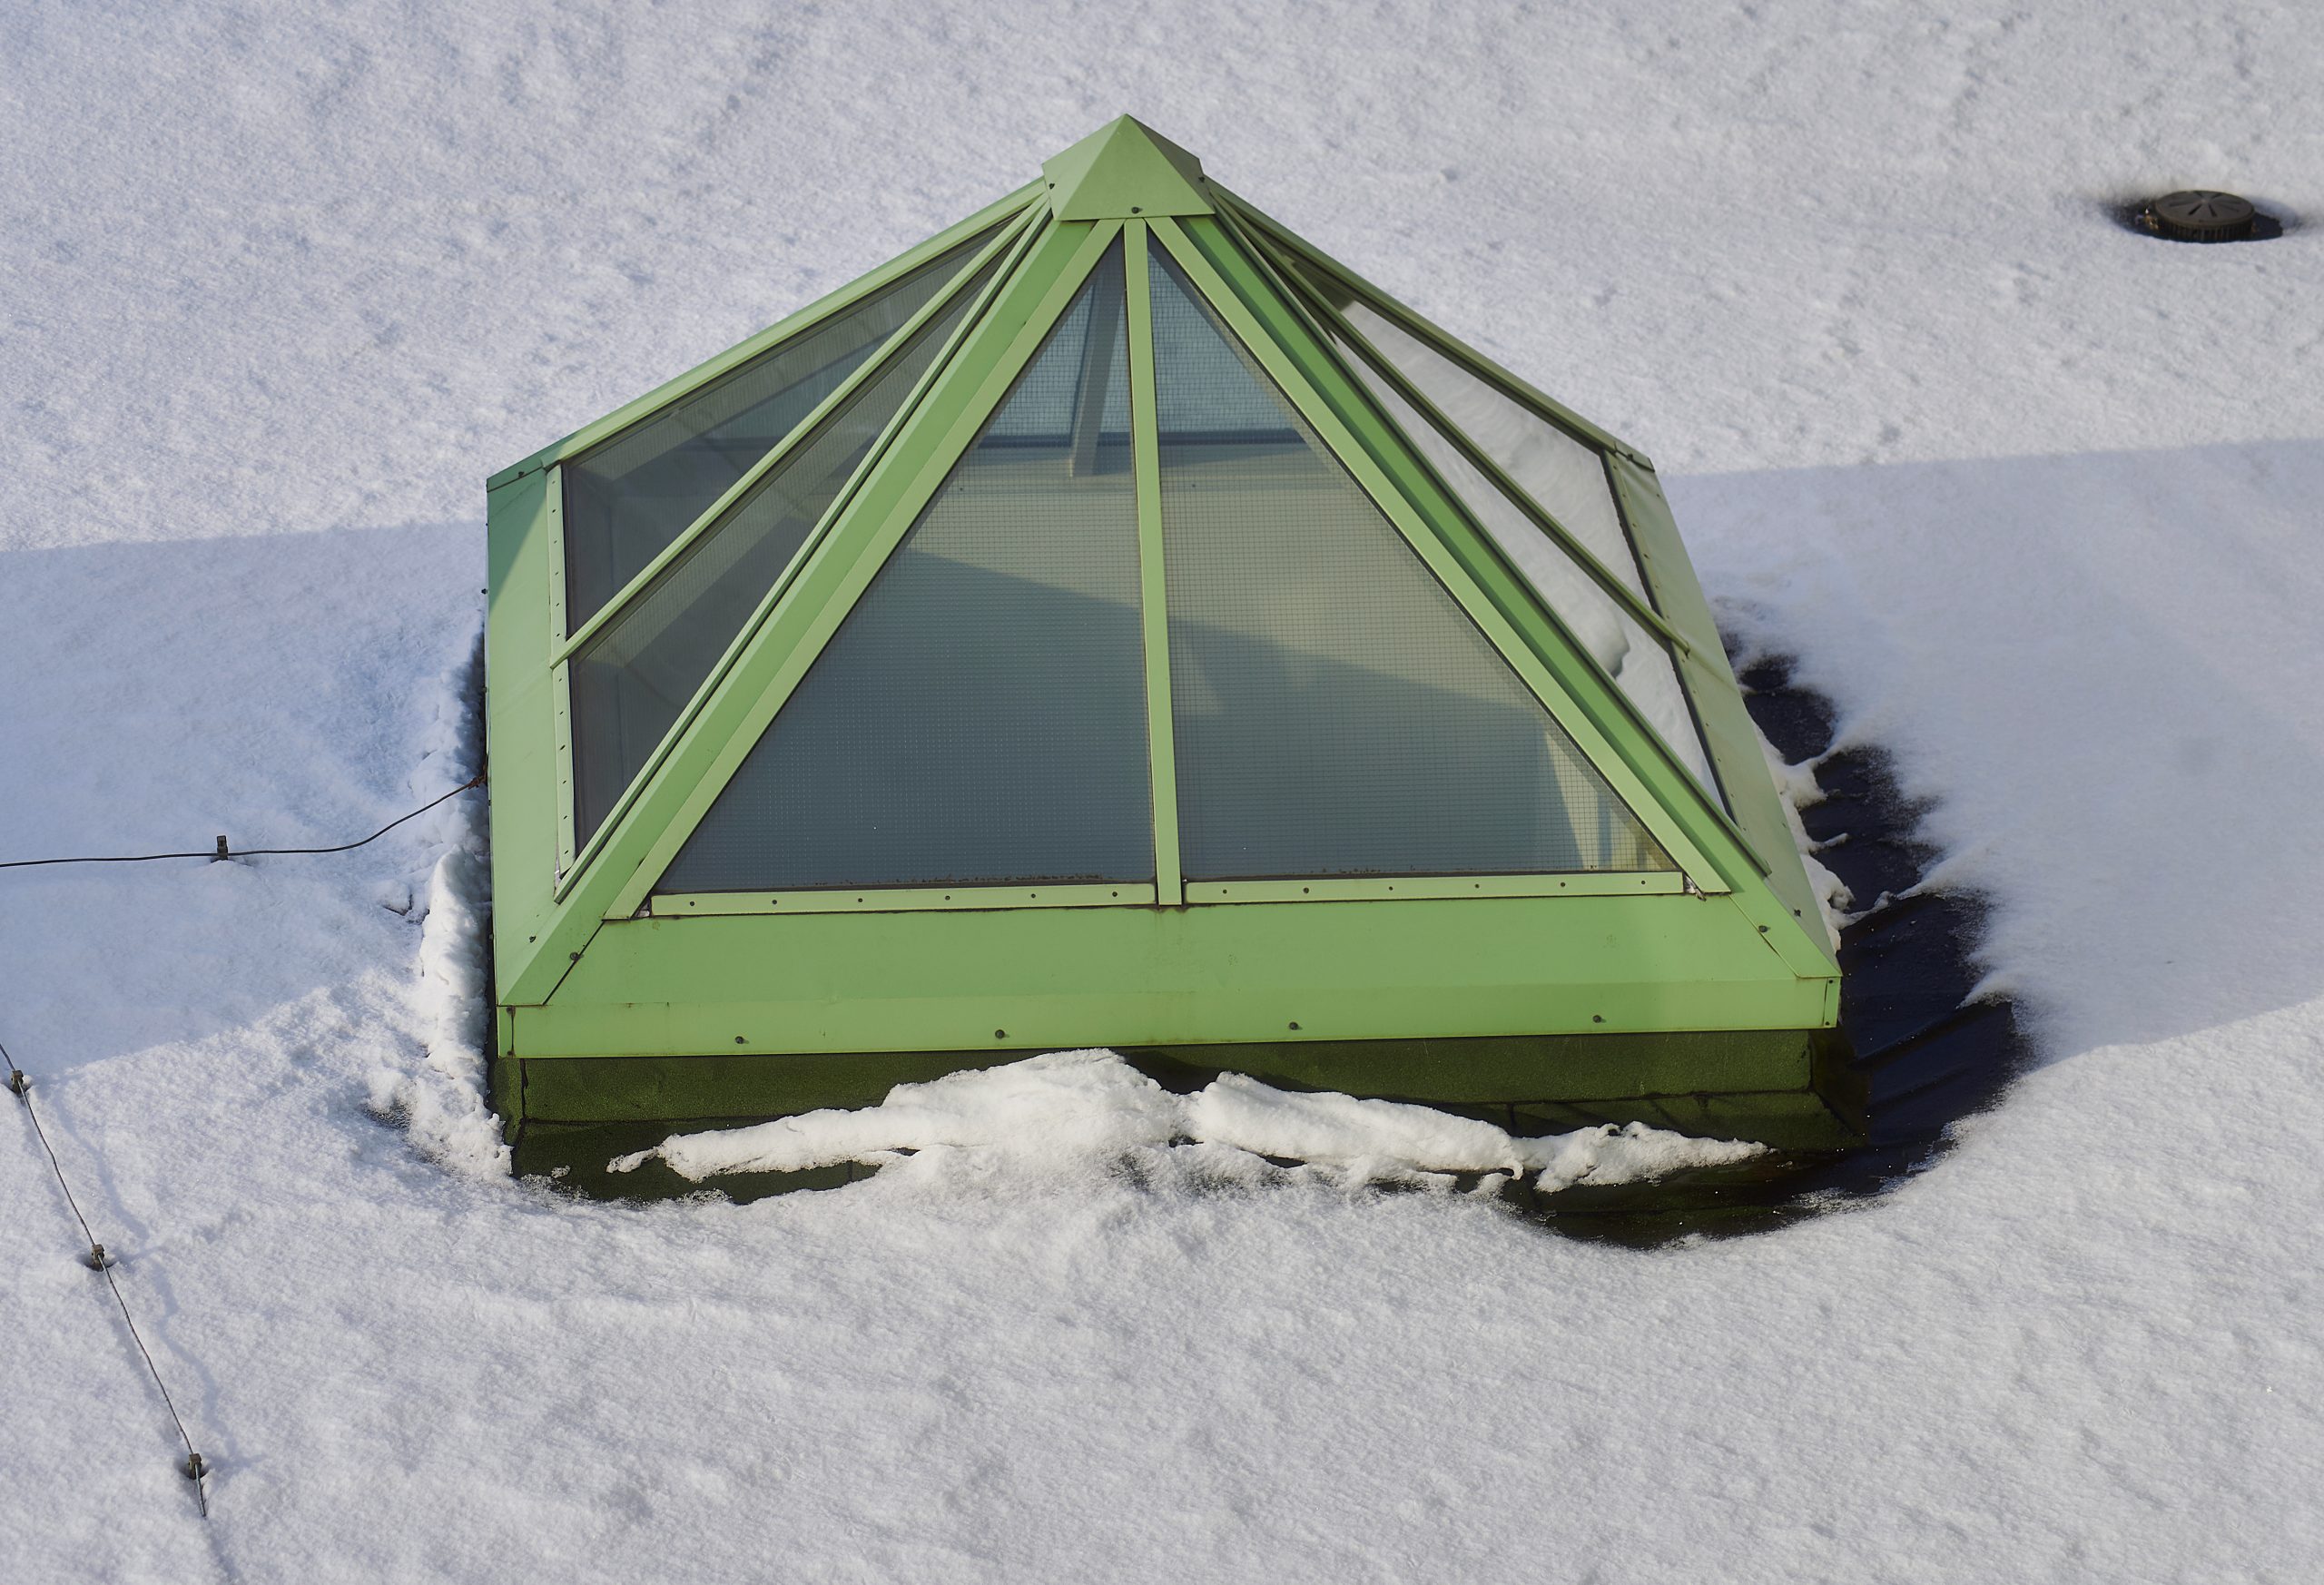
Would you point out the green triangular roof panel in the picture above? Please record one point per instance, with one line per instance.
(1124, 168)
(1150, 637)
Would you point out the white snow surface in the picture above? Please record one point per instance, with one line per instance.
(1070, 1112)
(2034, 499)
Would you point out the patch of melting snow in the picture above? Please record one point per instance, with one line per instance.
(1069, 1110)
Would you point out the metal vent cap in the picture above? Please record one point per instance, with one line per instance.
(2200, 216)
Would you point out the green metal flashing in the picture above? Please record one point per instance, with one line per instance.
(821, 308)
(520, 716)
(1385, 889)
(1761, 1084)
(1059, 978)
(560, 675)
(1124, 168)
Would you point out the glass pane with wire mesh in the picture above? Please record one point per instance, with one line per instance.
(629, 497)
(634, 677)
(1637, 661)
(979, 718)
(1337, 711)
(1565, 474)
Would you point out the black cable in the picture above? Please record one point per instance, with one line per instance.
(101, 1263)
(21, 1086)
(221, 851)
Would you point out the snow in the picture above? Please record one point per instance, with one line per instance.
(2034, 499)
(1073, 1111)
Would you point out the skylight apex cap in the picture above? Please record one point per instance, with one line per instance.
(1124, 168)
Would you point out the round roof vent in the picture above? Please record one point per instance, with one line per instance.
(2199, 215)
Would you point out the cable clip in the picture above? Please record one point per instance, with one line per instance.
(97, 1259)
(20, 1085)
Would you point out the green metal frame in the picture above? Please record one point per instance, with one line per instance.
(595, 969)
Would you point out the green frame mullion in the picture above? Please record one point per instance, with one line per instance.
(1651, 806)
(847, 552)
(741, 641)
(1146, 462)
(1331, 324)
(1032, 200)
(1435, 336)
(560, 679)
(805, 431)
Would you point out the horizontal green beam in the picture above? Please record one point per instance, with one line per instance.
(1374, 887)
(900, 900)
(1061, 978)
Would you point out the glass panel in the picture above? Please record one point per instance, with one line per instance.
(1637, 661)
(1565, 476)
(630, 682)
(628, 498)
(980, 716)
(1338, 713)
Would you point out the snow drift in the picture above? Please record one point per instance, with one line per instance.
(1070, 1109)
